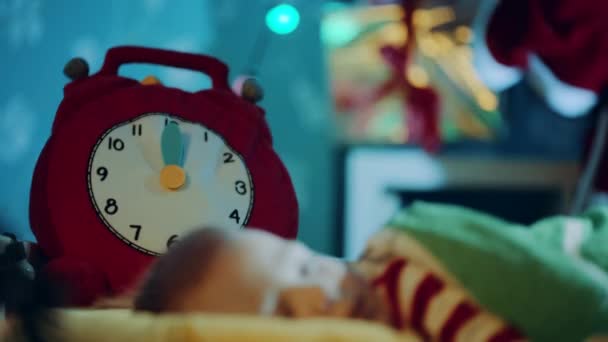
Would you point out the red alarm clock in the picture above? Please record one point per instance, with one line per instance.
(131, 166)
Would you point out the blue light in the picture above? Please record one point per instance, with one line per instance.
(282, 19)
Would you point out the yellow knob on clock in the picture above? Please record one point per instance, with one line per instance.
(172, 177)
(150, 80)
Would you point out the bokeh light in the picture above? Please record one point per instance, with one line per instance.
(283, 19)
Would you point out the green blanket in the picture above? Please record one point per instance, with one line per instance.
(550, 280)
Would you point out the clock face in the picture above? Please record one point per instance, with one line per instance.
(156, 177)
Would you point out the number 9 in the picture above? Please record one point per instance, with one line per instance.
(102, 172)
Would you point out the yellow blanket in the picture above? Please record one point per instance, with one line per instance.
(123, 325)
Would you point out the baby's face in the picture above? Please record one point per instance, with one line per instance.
(299, 282)
(258, 273)
(284, 264)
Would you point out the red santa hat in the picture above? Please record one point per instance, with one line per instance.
(559, 46)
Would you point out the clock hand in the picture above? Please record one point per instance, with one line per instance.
(172, 144)
(172, 176)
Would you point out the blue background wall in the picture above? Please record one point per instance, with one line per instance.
(37, 37)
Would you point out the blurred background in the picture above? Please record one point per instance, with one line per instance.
(372, 104)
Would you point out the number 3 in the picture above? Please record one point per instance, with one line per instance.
(240, 187)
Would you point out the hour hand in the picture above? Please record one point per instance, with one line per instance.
(172, 176)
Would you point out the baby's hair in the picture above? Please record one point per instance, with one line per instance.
(180, 269)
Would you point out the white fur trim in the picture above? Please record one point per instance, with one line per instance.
(568, 100)
(492, 73)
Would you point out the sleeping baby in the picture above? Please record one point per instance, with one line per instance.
(254, 272)
(445, 272)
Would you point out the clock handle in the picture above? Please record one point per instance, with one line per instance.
(214, 68)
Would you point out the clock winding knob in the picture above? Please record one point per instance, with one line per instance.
(77, 68)
(151, 80)
(252, 91)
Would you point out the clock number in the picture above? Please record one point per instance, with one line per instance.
(171, 121)
(206, 136)
(172, 240)
(240, 187)
(111, 207)
(136, 130)
(102, 172)
(137, 230)
(235, 216)
(116, 144)
(228, 158)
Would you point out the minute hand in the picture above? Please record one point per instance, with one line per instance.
(172, 144)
